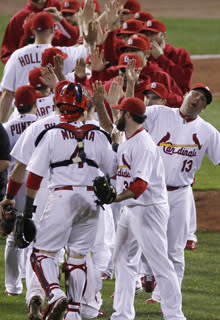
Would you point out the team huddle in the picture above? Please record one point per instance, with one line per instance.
(105, 140)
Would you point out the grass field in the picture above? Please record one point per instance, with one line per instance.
(201, 298)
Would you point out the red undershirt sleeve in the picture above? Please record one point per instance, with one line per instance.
(138, 186)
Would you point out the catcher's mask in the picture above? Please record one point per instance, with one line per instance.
(72, 102)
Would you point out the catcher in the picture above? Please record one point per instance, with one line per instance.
(70, 216)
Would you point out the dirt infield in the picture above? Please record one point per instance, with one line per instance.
(207, 202)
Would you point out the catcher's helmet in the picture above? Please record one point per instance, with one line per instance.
(72, 101)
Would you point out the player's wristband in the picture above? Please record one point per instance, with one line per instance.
(33, 181)
(12, 189)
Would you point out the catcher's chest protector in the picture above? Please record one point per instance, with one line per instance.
(80, 133)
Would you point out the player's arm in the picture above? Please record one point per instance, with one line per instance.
(32, 186)
(14, 184)
(5, 104)
(135, 189)
(4, 164)
(98, 100)
(4, 149)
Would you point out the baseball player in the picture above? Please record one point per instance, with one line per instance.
(14, 30)
(25, 59)
(45, 103)
(149, 73)
(4, 160)
(25, 101)
(71, 218)
(22, 152)
(142, 226)
(183, 138)
(175, 61)
(155, 93)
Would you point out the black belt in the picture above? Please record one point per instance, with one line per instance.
(170, 188)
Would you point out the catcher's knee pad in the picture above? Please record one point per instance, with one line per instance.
(71, 276)
(37, 259)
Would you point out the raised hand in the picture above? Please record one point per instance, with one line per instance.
(115, 92)
(57, 15)
(97, 60)
(112, 10)
(132, 74)
(80, 68)
(98, 93)
(156, 49)
(48, 77)
(90, 36)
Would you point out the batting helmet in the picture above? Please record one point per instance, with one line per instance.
(72, 101)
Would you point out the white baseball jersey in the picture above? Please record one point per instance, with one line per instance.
(58, 145)
(139, 157)
(25, 147)
(45, 107)
(182, 143)
(27, 58)
(15, 128)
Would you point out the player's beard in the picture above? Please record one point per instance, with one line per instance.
(121, 123)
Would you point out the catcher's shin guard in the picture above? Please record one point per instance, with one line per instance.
(75, 282)
(73, 307)
(46, 270)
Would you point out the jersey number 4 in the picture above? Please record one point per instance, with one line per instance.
(187, 165)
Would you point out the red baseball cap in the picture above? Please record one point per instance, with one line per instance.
(157, 88)
(132, 105)
(137, 42)
(25, 96)
(34, 78)
(132, 5)
(130, 26)
(143, 16)
(154, 26)
(49, 54)
(97, 5)
(205, 89)
(126, 57)
(71, 6)
(42, 21)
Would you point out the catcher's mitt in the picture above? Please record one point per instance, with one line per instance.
(24, 232)
(8, 219)
(104, 191)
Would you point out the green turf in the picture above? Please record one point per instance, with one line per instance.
(208, 176)
(201, 299)
(197, 36)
